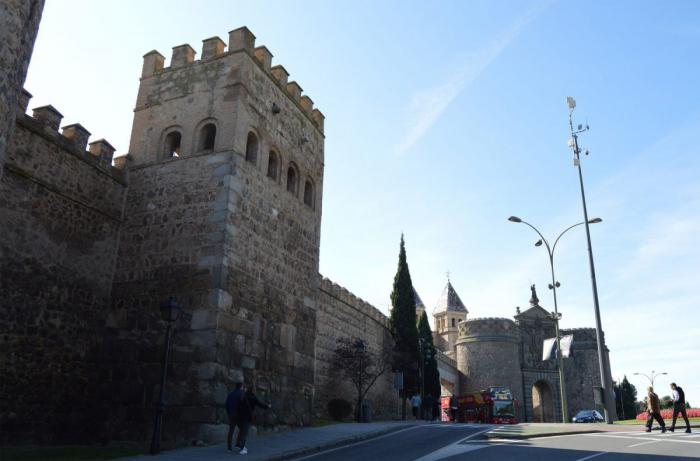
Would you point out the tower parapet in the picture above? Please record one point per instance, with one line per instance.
(165, 94)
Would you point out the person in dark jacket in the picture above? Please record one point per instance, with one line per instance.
(654, 409)
(232, 404)
(679, 407)
(246, 409)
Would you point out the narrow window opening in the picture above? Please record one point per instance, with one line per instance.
(309, 194)
(272, 166)
(453, 323)
(292, 180)
(172, 144)
(251, 148)
(207, 137)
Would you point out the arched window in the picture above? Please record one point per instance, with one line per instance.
(453, 322)
(207, 136)
(273, 165)
(292, 179)
(251, 148)
(309, 193)
(172, 144)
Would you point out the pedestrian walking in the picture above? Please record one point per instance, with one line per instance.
(454, 406)
(679, 407)
(415, 405)
(654, 410)
(232, 403)
(246, 417)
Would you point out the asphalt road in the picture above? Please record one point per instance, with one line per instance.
(449, 442)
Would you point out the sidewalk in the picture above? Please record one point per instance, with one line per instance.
(284, 445)
(531, 430)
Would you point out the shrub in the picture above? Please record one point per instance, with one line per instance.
(339, 409)
(668, 414)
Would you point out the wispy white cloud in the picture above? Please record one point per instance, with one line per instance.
(427, 105)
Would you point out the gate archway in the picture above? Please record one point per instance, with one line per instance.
(542, 402)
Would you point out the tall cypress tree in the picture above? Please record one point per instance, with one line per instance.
(402, 322)
(432, 376)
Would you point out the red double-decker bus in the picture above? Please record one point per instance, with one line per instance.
(492, 406)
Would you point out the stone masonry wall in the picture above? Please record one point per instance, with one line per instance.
(19, 23)
(582, 370)
(342, 314)
(60, 216)
(231, 242)
(488, 355)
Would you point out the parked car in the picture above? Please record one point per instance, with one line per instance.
(588, 416)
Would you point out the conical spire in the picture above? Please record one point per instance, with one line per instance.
(449, 301)
(419, 302)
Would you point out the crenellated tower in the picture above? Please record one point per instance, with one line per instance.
(224, 211)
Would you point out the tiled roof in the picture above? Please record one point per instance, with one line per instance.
(449, 301)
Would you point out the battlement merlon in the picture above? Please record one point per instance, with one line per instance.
(240, 40)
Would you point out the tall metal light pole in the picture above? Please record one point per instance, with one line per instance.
(573, 143)
(556, 315)
(169, 311)
(651, 377)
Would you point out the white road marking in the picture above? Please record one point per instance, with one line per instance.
(456, 448)
(357, 443)
(643, 443)
(669, 439)
(592, 456)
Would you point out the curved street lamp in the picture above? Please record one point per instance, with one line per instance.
(555, 315)
(651, 377)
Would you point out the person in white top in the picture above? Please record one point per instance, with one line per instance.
(679, 407)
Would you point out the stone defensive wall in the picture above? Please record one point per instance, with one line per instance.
(60, 216)
(488, 354)
(582, 369)
(342, 314)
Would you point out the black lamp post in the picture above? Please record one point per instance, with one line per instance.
(360, 349)
(169, 311)
(425, 354)
(556, 316)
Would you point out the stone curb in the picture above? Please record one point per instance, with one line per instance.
(499, 435)
(336, 443)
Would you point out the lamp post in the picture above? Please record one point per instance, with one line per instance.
(425, 354)
(169, 311)
(651, 377)
(556, 316)
(360, 349)
(573, 143)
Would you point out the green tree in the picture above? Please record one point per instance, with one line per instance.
(402, 322)
(628, 399)
(432, 376)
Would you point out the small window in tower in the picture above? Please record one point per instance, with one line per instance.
(292, 180)
(272, 165)
(172, 144)
(309, 193)
(207, 136)
(251, 148)
(453, 322)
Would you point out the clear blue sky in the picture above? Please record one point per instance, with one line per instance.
(443, 119)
